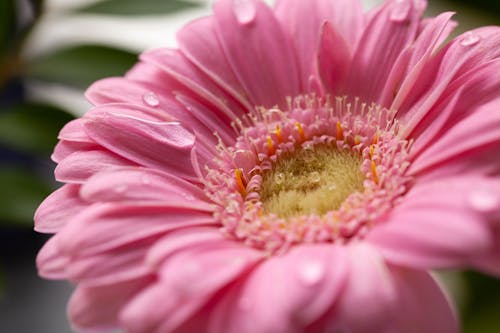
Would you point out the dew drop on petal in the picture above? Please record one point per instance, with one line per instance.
(151, 99)
(145, 180)
(279, 178)
(311, 272)
(483, 200)
(315, 177)
(121, 189)
(400, 10)
(244, 10)
(469, 39)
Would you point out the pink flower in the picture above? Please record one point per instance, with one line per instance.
(352, 154)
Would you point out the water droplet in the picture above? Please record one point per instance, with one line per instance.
(311, 272)
(332, 187)
(470, 39)
(315, 177)
(145, 180)
(279, 178)
(151, 99)
(244, 10)
(121, 188)
(484, 200)
(401, 10)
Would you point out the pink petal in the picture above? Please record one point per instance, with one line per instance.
(285, 293)
(110, 267)
(367, 302)
(388, 33)
(437, 226)
(334, 60)
(193, 117)
(198, 42)
(139, 184)
(80, 165)
(303, 20)
(425, 45)
(218, 263)
(58, 208)
(175, 65)
(163, 145)
(490, 261)
(65, 148)
(422, 306)
(258, 51)
(469, 118)
(98, 307)
(108, 226)
(454, 60)
(182, 239)
(74, 132)
(51, 263)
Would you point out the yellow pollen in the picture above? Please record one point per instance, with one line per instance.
(311, 181)
(375, 138)
(357, 139)
(240, 181)
(300, 129)
(340, 132)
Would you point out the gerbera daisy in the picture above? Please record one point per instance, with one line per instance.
(290, 169)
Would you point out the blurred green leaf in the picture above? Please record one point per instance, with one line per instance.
(7, 24)
(482, 312)
(20, 194)
(32, 128)
(81, 65)
(136, 7)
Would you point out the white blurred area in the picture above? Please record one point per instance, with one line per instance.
(59, 28)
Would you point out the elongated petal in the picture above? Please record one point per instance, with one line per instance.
(164, 145)
(415, 312)
(438, 225)
(139, 184)
(303, 20)
(198, 42)
(334, 60)
(367, 302)
(285, 293)
(98, 307)
(80, 165)
(109, 226)
(51, 263)
(59, 208)
(266, 48)
(219, 264)
(389, 31)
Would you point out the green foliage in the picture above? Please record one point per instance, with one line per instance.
(20, 194)
(81, 65)
(483, 308)
(32, 128)
(137, 7)
(7, 23)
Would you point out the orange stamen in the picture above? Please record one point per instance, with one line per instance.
(278, 134)
(270, 146)
(240, 181)
(340, 132)
(300, 129)
(374, 172)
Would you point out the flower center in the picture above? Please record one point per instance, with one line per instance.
(311, 181)
(325, 170)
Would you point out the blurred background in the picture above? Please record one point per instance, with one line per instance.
(50, 51)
